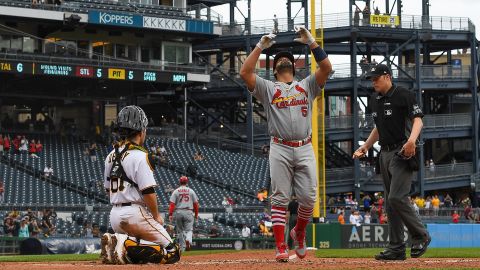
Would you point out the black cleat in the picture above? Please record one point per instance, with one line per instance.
(390, 256)
(420, 248)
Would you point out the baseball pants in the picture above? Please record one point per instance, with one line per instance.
(397, 178)
(293, 167)
(136, 221)
(184, 226)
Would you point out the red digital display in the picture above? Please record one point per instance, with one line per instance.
(86, 72)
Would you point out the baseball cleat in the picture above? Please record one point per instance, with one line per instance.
(282, 253)
(119, 252)
(299, 243)
(107, 250)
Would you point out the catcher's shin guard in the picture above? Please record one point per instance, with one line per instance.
(140, 254)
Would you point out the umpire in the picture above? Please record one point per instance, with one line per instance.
(398, 121)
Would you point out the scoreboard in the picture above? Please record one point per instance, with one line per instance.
(82, 71)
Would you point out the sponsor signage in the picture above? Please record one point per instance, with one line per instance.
(384, 20)
(366, 236)
(92, 72)
(212, 243)
(139, 21)
(118, 19)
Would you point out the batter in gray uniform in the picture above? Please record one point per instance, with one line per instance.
(288, 106)
(184, 202)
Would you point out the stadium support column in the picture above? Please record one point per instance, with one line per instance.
(185, 104)
(418, 89)
(249, 96)
(355, 108)
(475, 105)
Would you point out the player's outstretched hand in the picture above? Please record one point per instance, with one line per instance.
(305, 36)
(266, 41)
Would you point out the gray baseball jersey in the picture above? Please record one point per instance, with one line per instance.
(288, 106)
(184, 198)
(289, 115)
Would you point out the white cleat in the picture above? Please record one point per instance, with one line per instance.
(107, 249)
(119, 253)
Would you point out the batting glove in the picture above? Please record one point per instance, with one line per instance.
(266, 41)
(305, 36)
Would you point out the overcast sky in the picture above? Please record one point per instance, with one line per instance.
(264, 9)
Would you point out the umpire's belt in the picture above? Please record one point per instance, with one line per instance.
(391, 147)
(293, 143)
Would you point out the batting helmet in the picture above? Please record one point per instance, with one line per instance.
(286, 54)
(132, 118)
(183, 180)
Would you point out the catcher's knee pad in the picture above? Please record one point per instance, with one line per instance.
(141, 254)
(172, 254)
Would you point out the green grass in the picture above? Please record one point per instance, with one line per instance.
(370, 252)
(87, 257)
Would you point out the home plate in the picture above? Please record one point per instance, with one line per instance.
(294, 256)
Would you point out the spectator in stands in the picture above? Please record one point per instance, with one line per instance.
(225, 201)
(14, 213)
(374, 213)
(47, 225)
(431, 167)
(364, 64)
(6, 144)
(198, 156)
(341, 218)
(245, 231)
(415, 206)
(275, 24)
(384, 218)
(468, 213)
(16, 144)
(1, 144)
(435, 205)
(33, 228)
(96, 230)
(9, 226)
(39, 147)
(356, 17)
(465, 201)
(420, 202)
(23, 144)
(356, 219)
(230, 201)
(163, 151)
(428, 206)
(366, 16)
(453, 163)
(23, 229)
(2, 192)
(86, 153)
(33, 149)
(366, 202)
(455, 217)
(448, 201)
(367, 217)
(262, 194)
(214, 232)
(48, 171)
(93, 152)
(30, 214)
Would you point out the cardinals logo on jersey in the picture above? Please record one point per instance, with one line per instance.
(284, 102)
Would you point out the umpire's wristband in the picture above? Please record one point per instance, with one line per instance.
(319, 54)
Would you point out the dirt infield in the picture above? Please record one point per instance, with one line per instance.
(260, 260)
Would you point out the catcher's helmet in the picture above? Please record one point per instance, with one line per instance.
(132, 118)
(286, 54)
(183, 180)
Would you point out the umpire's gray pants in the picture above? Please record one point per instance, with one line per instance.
(184, 226)
(397, 179)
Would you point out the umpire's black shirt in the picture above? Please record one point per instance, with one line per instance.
(392, 112)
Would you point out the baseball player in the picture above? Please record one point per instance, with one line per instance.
(398, 123)
(288, 106)
(130, 183)
(184, 202)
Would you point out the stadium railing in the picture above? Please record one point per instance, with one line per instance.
(336, 20)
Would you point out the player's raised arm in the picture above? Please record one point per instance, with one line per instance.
(324, 66)
(247, 72)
